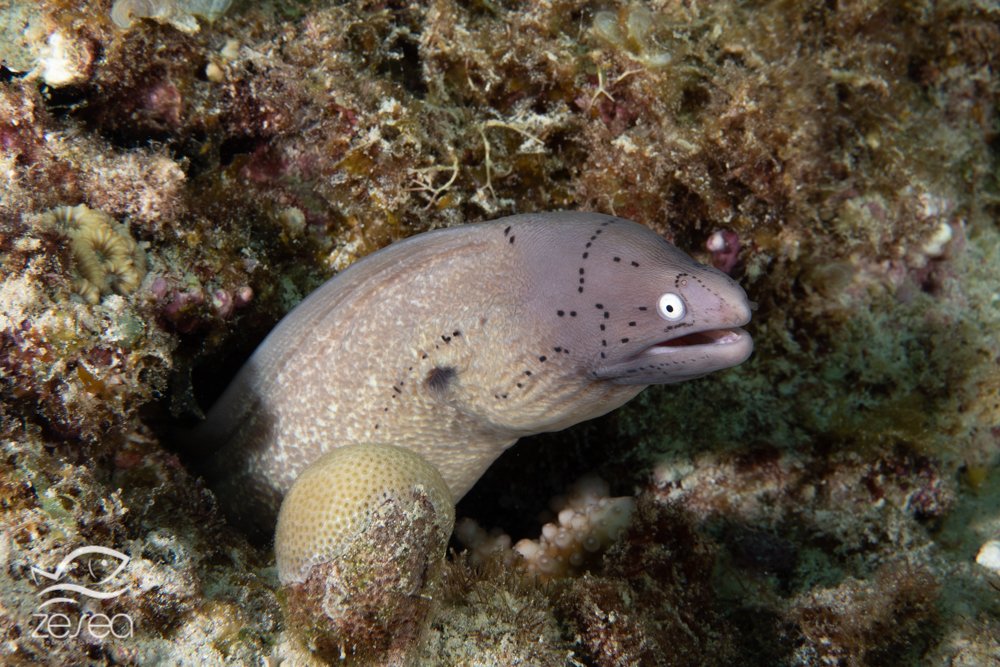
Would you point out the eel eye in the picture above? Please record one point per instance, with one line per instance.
(670, 307)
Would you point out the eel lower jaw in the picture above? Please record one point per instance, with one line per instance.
(682, 358)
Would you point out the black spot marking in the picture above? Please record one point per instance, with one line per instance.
(583, 280)
(642, 308)
(557, 349)
(446, 339)
(604, 343)
(599, 305)
(581, 270)
(598, 231)
(423, 356)
(511, 239)
(542, 358)
(603, 327)
(519, 385)
(572, 313)
(397, 389)
(440, 377)
(560, 313)
(618, 259)
(593, 238)
(506, 231)
(527, 372)
(624, 340)
(456, 333)
(376, 427)
(631, 324)
(634, 263)
(588, 244)
(385, 409)
(579, 289)
(603, 356)
(586, 255)
(606, 314)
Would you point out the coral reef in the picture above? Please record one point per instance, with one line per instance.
(493, 614)
(824, 503)
(882, 621)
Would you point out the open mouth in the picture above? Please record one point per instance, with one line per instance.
(712, 337)
(682, 358)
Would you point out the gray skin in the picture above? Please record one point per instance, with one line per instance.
(457, 342)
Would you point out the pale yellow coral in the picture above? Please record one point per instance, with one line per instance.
(334, 499)
(106, 257)
(360, 544)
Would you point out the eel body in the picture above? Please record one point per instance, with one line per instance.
(457, 342)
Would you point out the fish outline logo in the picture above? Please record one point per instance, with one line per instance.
(70, 560)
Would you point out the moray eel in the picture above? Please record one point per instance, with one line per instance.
(455, 343)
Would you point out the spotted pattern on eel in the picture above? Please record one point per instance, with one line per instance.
(457, 342)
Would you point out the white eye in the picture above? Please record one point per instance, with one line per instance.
(670, 307)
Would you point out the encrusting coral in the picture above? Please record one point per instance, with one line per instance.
(359, 546)
(106, 257)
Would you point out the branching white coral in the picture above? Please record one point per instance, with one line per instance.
(587, 522)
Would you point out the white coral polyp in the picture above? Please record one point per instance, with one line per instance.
(178, 13)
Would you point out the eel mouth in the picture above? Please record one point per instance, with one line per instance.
(681, 358)
(705, 351)
(711, 337)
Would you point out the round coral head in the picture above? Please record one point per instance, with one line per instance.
(360, 544)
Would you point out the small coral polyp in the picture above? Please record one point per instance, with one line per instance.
(106, 257)
(631, 30)
(178, 13)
